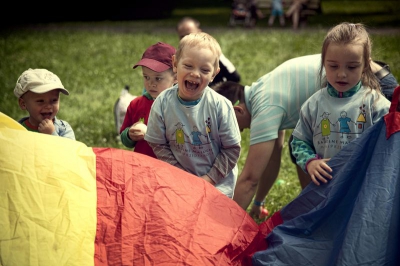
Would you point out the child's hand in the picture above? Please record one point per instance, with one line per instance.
(319, 170)
(46, 127)
(137, 131)
(208, 179)
(135, 134)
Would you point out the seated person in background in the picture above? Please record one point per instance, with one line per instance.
(294, 11)
(38, 92)
(227, 71)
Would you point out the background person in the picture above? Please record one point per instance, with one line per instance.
(227, 70)
(294, 11)
(276, 11)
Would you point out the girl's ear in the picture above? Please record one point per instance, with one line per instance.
(21, 104)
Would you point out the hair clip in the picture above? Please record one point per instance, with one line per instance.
(236, 103)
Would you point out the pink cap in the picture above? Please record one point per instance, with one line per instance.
(157, 57)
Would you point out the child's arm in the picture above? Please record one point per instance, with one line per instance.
(224, 163)
(69, 132)
(310, 162)
(61, 128)
(126, 140)
(164, 153)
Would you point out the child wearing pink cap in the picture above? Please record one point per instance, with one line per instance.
(158, 75)
(38, 92)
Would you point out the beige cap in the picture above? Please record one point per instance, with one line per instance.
(38, 81)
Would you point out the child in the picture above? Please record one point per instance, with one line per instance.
(190, 125)
(38, 92)
(340, 112)
(227, 70)
(267, 107)
(158, 75)
(276, 10)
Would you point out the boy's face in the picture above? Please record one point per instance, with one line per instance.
(195, 70)
(40, 106)
(156, 82)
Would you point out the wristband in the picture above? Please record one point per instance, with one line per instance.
(258, 203)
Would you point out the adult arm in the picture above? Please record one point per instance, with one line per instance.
(269, 176)
(257, 160)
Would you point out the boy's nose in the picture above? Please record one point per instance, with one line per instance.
(194, 73)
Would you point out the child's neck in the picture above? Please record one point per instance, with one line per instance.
(188, 103)
(30, 125)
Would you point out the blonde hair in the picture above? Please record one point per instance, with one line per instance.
(349, 33)
(200, 40)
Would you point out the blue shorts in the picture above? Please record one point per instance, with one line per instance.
(277, 12)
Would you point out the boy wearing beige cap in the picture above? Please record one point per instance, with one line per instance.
(38, 92)
(158, 75)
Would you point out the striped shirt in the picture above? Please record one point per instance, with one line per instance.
(275, 99)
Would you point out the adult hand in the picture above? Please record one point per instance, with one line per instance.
(257, 160)
(319, 171)
(46, 126)
(256, 211)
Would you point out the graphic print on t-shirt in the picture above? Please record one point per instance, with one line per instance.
(329, 134)
(197, 143)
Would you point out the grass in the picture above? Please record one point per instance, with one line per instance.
(94, 61)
